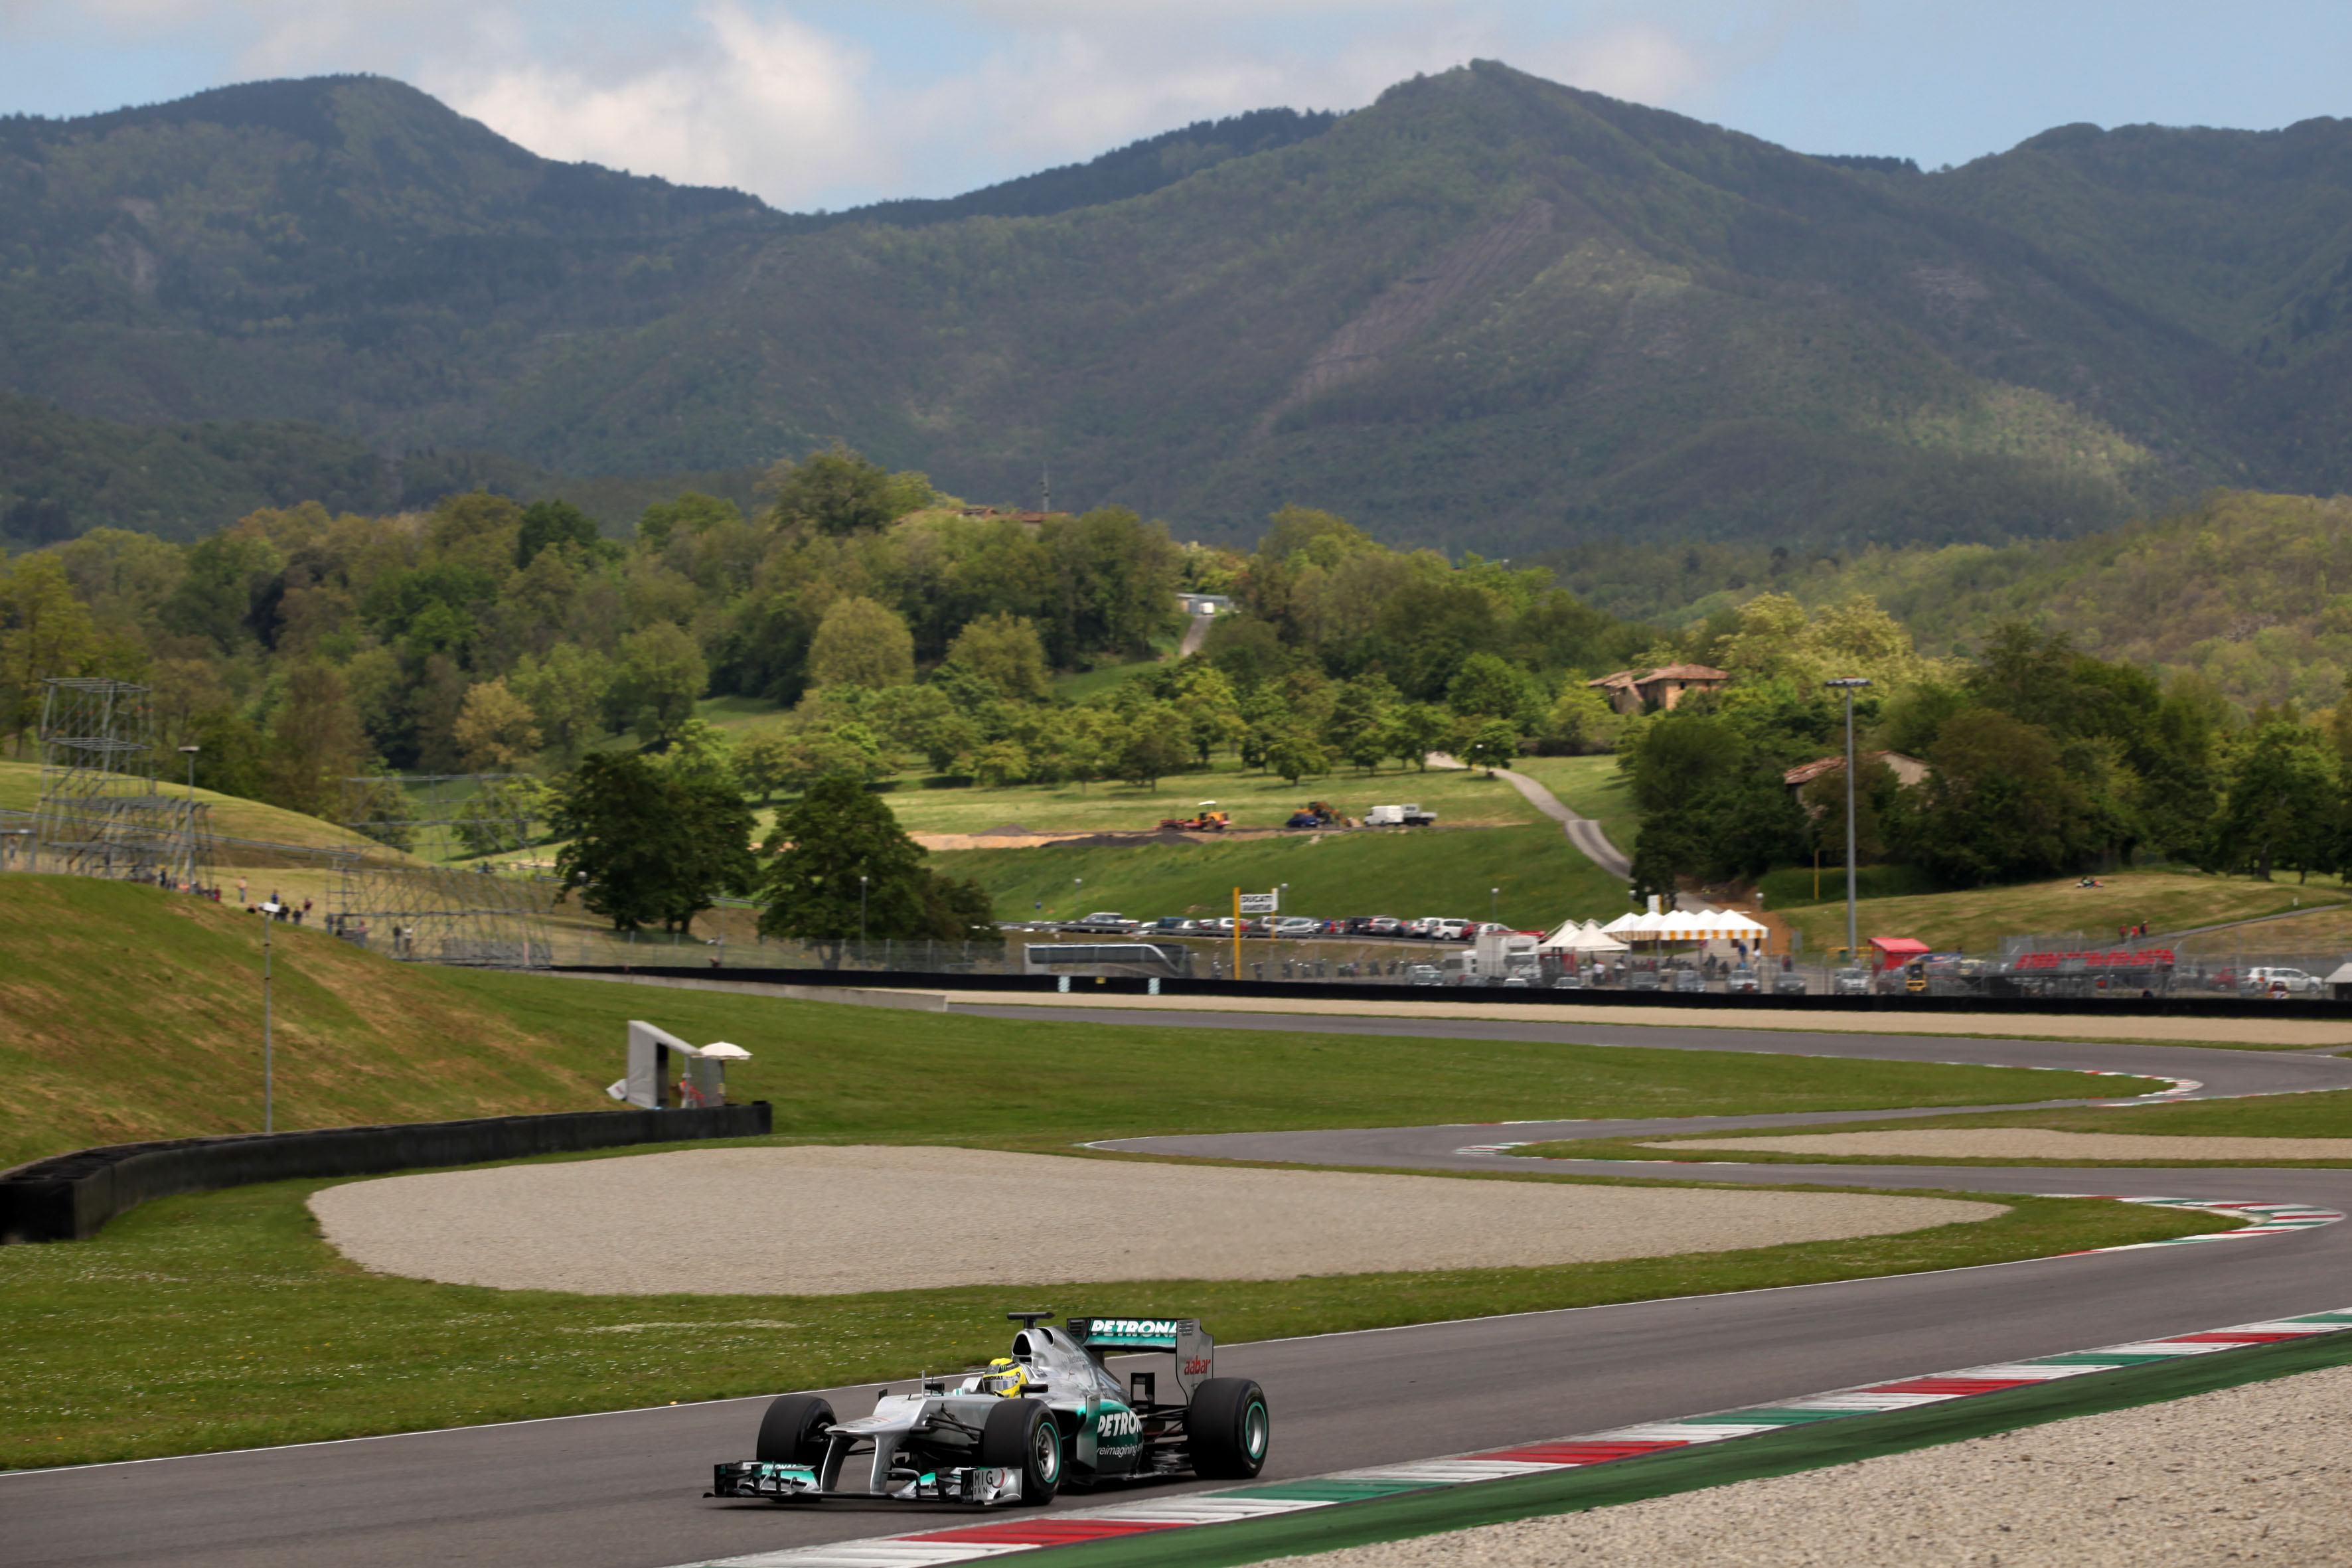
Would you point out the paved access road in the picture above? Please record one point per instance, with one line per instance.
(621, 1490)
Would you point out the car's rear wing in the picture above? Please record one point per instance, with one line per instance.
(1183, 1338)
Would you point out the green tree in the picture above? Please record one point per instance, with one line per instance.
(862, 643)
(495, 731)
(567, 690)
(839, 862)
(1152, 746)
(662, 676)
(1293, 755)
(839, 492)
(548, 523)
(1416, 730)
(45, 632)
(1493, 687)
(1357, 728)
(645, 846)
(315, 742)
(1492, 743)
(1999, 806)
(2279, 804)
(1007, 650)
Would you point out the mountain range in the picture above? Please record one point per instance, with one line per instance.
(1487, 311)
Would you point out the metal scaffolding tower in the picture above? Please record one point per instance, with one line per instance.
(100, 812)
(428, 889)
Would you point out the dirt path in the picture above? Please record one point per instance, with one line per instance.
(1582, 831)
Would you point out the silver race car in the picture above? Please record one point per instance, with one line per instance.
(1049, 1414)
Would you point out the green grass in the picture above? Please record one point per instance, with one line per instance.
(1543, 877)
(233, 816)
(223, 1320)
(1460, 798)
(1590, 786)
(839, 1073)
(134, 1013)
(2323, 1115)
(1974, 920)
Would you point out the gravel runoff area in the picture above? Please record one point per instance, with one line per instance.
(2257, 1474)
(2031, 1143)
(2281, 1032)
(827, 1220)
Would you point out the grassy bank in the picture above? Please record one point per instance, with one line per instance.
(223, 1321)
(2323, 1115)
(233, 816)
(133, 1012)
(1543, 877)
(1974, 920)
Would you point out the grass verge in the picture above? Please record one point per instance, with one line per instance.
(2327, 1114)
(881, 1075)
(223, 1320)
(1542, 878)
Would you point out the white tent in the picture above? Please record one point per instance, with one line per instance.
(1586, 937)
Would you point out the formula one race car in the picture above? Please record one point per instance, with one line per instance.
(1048, 1414)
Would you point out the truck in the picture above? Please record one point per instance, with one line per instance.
(1207, 822)
(1399, 817)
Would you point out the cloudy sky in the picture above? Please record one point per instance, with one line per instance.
(833, 103)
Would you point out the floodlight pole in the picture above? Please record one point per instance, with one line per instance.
(268, 1064)
(190, 752)
(1494, 906)
(1849, 684)
(861, 917)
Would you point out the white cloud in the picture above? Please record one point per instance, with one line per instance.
(769, 105)
(807, 103)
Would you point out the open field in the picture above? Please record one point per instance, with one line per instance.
(1406, 873)
(1460, 798)
(223, 1320)
(2293, 1120)
(1975, 921)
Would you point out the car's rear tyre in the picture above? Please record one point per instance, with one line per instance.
(1021, 1435)
(1228, 1429)
(793, 1432)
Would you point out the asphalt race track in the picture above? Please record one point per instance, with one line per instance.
(623, 1490)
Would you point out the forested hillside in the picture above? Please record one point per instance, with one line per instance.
(1487, 312)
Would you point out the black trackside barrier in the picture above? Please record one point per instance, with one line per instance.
(66, 1197)
(1526, 997)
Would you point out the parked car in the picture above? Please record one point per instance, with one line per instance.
(1849, 983)
(2295, 981)
(1171, 923)
(1296, 925)
(1742, 982)
(1449, 931)
(1387, 925)
(1689, 980)
(1789, 983)
(1641, 980)
(1568, 983)
(1103, 922)
(1423, 974)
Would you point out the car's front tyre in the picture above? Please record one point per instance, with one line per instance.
(793, 1431)
(1021, 1435)
(1228, 1429)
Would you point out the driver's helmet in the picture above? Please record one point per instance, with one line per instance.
(1006, 1377)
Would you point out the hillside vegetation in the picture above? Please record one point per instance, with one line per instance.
(1486, 311)
(135, 1014)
